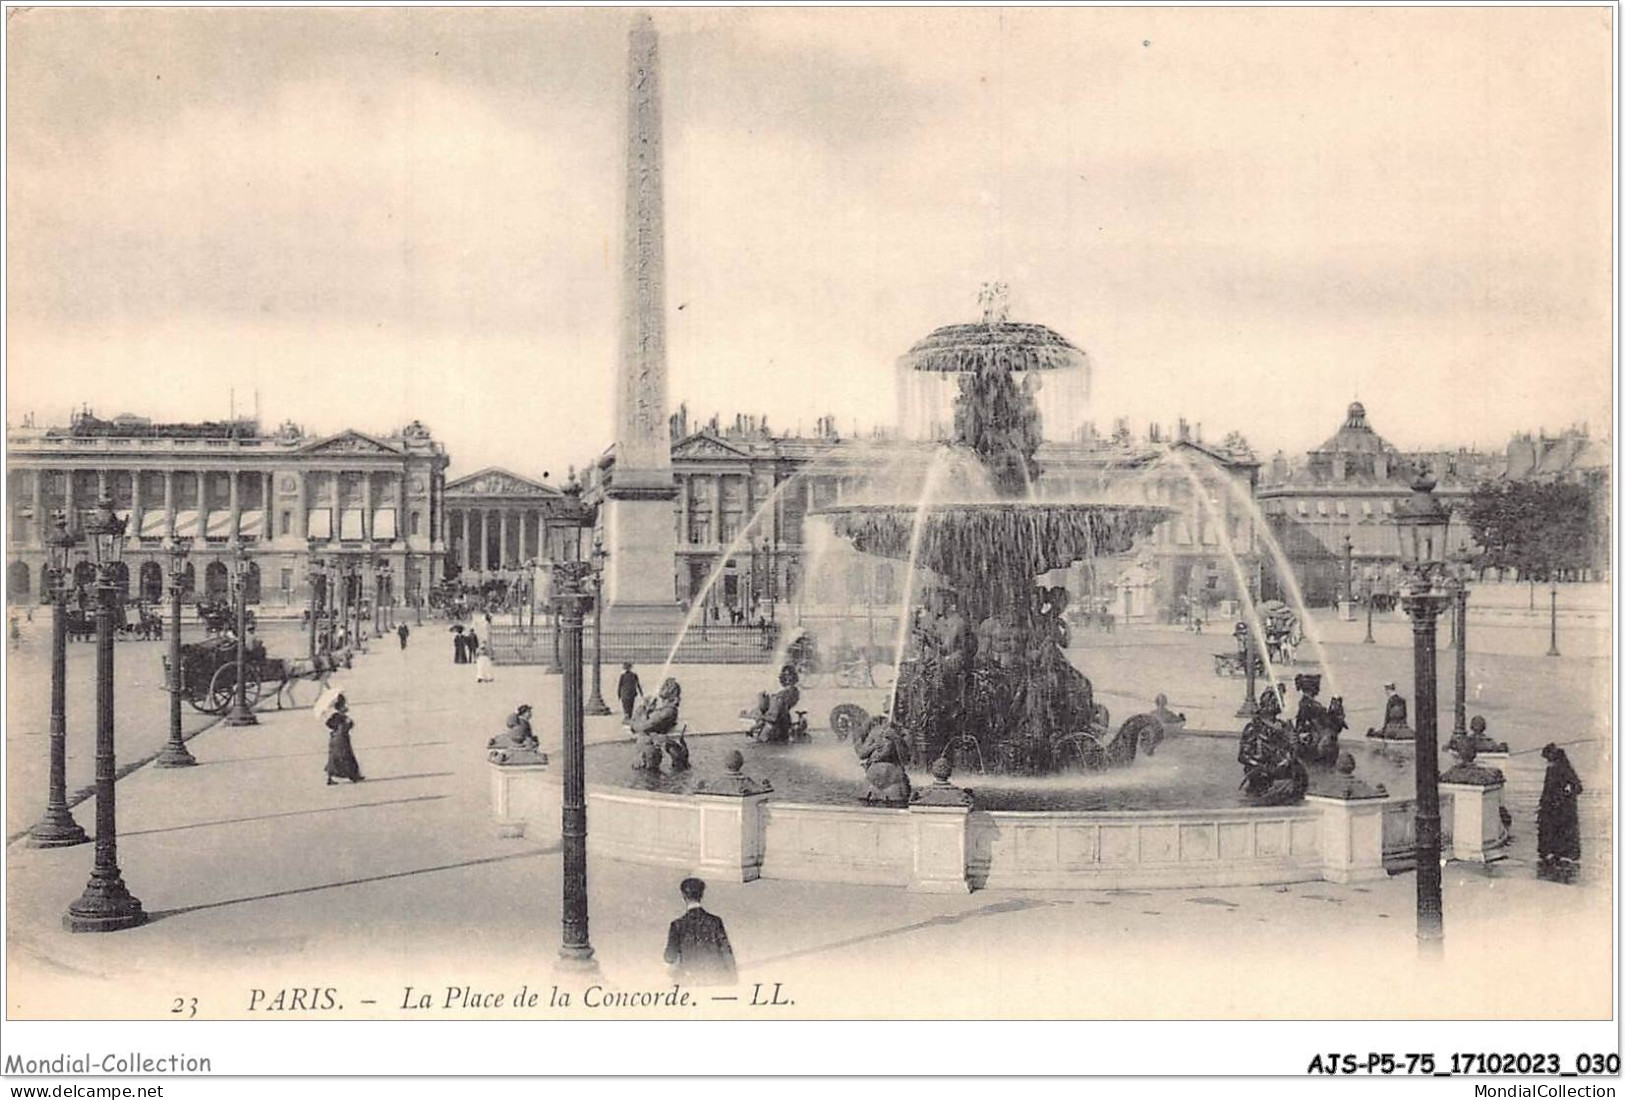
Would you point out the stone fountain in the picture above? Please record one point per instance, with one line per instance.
(985, 682)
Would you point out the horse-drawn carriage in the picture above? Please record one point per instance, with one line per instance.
(219, 615)
(208, 673)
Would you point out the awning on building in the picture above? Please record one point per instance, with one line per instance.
(186, 524)
(219, 524)
(251, 525)
(350, 524)
(320, 523)
(152, 523)
(383, 524)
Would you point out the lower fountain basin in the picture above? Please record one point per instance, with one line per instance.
(1188, 772)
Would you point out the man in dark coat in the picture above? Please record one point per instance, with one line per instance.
(402, 632)
(628, 689)
(697, 945)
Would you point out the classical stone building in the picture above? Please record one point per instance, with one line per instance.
(1332, 511)
(497, 524)
(280, 498)
(727, 473)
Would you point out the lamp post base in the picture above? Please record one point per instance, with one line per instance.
(175, 755)
(576, 960)
(1247, 710)
(57, 829)
(596, 706)
(105, 906)
(241, 717)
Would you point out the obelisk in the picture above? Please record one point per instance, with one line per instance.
(639, 577)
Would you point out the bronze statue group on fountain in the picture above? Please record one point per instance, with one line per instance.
(1275, 757)
(1000, 695)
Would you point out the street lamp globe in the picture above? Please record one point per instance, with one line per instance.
(1423, 525)
(58, 545)
(105, 531)
(568, 537)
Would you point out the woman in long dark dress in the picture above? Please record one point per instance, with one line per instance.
(1558, 820)
(341, 761)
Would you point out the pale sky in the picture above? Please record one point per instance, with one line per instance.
(1246, 217)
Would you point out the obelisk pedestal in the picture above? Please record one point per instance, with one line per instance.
(639, 531)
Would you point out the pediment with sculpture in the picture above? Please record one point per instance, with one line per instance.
(705, 445)
(494, 482)
(349, 443)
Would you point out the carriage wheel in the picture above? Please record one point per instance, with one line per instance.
(224, 684)
(848, 720)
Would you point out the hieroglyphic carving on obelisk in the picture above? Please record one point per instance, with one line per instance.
(640, 572)
(642, 435)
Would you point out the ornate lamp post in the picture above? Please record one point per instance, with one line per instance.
(106, 905)
(58, 829)
(1348, 576)
(1369, 602)
(1458, 591)
(1244, 644)
(596, 705)
(1551, 650)
(175, 754)
(1423, 525)
(240, 714)
(313, 574)
(569, 571)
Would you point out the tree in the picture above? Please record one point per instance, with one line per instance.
(1537, 528)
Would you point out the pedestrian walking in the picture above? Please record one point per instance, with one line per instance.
(459, 645)
(341, 761)
(697, 947)
(628, 689)
(1557, 821)
(482, 665)
(402, 632)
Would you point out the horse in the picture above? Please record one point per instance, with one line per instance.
(287, 673)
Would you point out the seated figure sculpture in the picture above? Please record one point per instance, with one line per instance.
(656, 716)
(883, 751)
(653, 722)
(1272, 775)
(516, 744)
(1317, 726)
(773, 719)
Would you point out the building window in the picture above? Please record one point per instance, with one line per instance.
(1321, 509)
(1342, 508)
(1365, 508)
(699, 528)
(285, 524)
(417, 523)
(1303, 507)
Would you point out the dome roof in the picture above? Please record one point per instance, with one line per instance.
(1016, 345)
(1355, 436)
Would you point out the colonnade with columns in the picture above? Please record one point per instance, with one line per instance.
(489, 538)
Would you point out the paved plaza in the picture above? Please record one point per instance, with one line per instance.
(260, 877)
